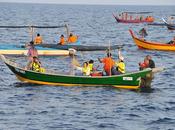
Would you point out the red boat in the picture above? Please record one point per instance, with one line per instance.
(133, 17)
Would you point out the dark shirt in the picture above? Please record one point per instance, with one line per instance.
(151, 64)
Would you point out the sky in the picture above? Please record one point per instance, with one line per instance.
(110, 2)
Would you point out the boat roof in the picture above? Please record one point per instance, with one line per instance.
(32, 26)
(132, 12)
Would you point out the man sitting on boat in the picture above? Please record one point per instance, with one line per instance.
(172, 41)
(38, 39)
(72, 38)
(108, 62)
(120, 65)
(62, 41)
(36, 65)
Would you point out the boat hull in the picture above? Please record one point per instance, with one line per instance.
(143, 44)
(126, 81)
(171, 27)
(131, 21)
(20, 50)
(80, 47)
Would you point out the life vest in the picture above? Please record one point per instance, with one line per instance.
(91, 67)
(144, 65)
(120, 67)
(86, 70)
(38, 40)
(108, 63)
(72, 39)
(62, 41)
(35, 67)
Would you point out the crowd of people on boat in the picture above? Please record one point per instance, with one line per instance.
(127, 16)
(71, 39)
(111, 67)
(62, 41)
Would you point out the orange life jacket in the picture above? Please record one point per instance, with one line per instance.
(72, 39)
(38, 40)
(62, 41)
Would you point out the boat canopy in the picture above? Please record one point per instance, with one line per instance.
(33, 26)
(138, 12)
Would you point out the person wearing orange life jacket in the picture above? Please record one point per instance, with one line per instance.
(62, 40)
(72, 38)
(38, 39)
(108, 62)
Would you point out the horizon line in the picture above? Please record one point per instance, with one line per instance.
(88, 4)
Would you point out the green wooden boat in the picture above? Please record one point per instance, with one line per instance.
(134, 80)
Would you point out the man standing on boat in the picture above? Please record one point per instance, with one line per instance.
(120, 65)
(108, 63)
(32, 52)
(143, 33)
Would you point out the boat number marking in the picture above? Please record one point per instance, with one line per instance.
(21, 71)
(128, 78)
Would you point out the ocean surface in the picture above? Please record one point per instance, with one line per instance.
(40, 107)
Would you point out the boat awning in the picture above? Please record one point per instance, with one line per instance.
(138, 12)
(33, 26)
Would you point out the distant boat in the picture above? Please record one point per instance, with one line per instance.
(135, 80)
(143, 44)
(128, 17)
(169, 26)
(81, 47)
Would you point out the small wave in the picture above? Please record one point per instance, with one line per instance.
(165, 120)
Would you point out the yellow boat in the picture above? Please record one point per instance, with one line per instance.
(143, 44)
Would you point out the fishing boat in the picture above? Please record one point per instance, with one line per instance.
(169, 26)
(133, 17)
(79, 47)
(143, 44)
(11, 49)
(156, 24)
(135, 80)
